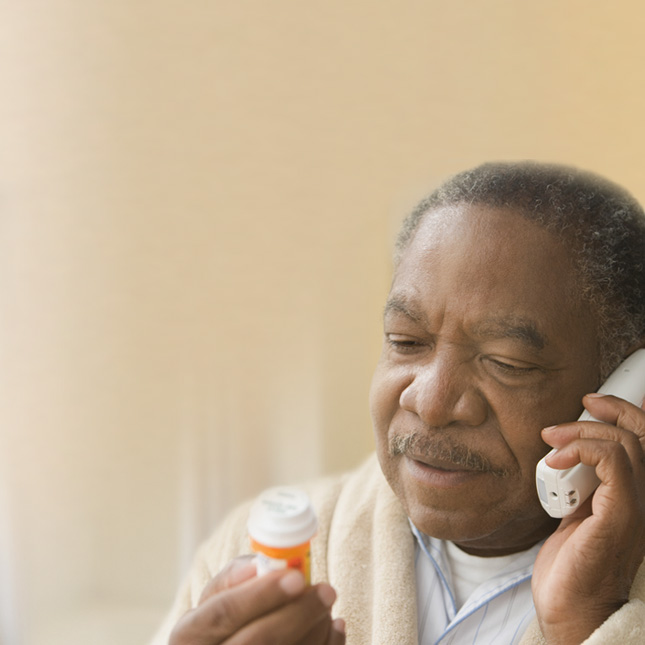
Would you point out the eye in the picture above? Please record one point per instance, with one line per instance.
(403, 344)
(510, 368)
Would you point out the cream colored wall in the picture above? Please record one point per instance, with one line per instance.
(197, 202)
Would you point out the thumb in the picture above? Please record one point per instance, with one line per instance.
(234, 573)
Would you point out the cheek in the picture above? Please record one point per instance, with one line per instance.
(521, 427)
(384, 401)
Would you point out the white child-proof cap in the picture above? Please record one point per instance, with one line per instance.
(282, 517)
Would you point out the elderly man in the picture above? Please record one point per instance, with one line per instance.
(517, 289)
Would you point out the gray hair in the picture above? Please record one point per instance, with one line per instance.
(602, 224)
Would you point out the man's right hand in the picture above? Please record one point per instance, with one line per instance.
(239, 608)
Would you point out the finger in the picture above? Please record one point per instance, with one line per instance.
(623, 481)
(292, 623)
(318, 634)
(337, 635)
(617, 412)
(223, 614)
(235, 572)
(562, 437)
(326, 632)
(617, 503)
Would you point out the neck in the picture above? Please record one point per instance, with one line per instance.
(492, 547)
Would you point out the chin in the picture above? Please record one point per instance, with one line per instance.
(499, 529)
(478, 511)
(454, 524)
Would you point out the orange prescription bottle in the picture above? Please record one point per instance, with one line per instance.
(281, 525)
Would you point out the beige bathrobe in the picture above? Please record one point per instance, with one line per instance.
(365, 549)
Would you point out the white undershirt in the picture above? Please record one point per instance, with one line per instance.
(468, 599)
(470, 571)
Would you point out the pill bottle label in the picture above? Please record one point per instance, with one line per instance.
(275, 559)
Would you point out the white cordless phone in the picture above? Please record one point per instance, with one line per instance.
(562, 491)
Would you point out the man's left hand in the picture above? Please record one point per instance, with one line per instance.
(585, 570)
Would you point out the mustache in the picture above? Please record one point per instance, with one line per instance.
(444, 449)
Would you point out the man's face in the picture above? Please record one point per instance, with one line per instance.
(486, 343)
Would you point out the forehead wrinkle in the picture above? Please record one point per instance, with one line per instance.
(512, 328)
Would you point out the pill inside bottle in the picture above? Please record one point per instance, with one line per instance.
(281, 525)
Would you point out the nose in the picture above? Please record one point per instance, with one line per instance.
(443, 391)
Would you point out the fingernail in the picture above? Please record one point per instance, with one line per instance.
(292, 583)
(549, 429)
(327, 595)
(596, 395)
(339, 625)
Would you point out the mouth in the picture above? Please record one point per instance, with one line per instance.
(439, 473)
(437, 456)
(436, 463)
